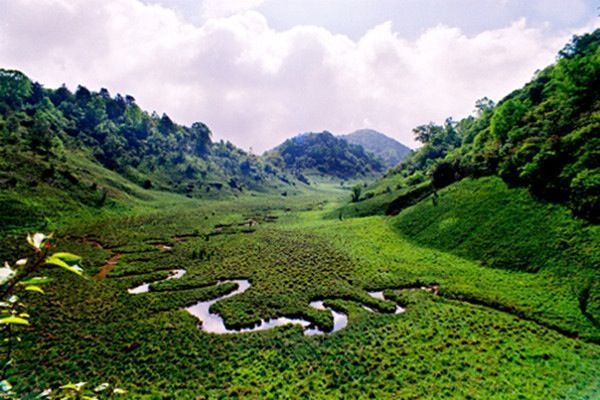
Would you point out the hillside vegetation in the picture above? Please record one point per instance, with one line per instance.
(390, 151)
(509, 325)
(64, 154)
(472, 272)
(543, 136)
(324, 154)
(150, 150)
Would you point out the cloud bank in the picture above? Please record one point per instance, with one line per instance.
(254, 85)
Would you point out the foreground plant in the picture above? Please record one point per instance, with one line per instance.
(25, 275)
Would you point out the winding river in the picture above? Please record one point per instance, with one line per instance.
(379, 295)
(213, 323)
(145, 287)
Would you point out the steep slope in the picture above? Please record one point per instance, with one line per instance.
(389, 150)
(542, 137)
(485, 220)
(324, 154)
(506, 228)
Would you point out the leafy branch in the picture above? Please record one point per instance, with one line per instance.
(25, 276)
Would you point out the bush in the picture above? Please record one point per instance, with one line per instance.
(415, 178)
(444, 174)
(356, 191)
(408, 199)
(585, 195)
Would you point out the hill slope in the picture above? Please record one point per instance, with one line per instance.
(542, 136)
(499, 227)
(389, 150)
(64, 151)
(324, 154)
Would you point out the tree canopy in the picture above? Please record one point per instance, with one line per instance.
(543, 136)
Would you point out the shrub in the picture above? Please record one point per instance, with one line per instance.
(585, 195)
(356, 191)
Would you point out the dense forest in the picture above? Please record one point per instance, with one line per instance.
(543, 136)
(323, 153)
(151, 150)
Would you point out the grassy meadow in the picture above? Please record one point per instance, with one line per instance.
(515, 316)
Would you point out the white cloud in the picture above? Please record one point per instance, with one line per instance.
(226, 8)
(256, 86)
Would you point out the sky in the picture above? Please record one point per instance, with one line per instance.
(260, 71)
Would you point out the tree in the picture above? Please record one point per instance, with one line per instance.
(15, 88)
(165, 125)
(356, 192)
(507, 117)
(200, 137)
(426, 133)
(444, 174)
(483, 105)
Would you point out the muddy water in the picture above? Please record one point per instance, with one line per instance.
(145, 287)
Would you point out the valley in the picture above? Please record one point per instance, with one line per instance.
(480, 325)
(147, 257)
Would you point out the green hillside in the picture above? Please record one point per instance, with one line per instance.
(326, 155)
(64, 153)
(149, 150)
(469, 271)
(485, 221)
(389, 150)
(542, 136)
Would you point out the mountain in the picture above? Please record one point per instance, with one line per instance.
(325, 154)
(389, 150)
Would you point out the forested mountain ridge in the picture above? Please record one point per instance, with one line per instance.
(543, 136)
(323, 153)
(389, 150)
(150, 150)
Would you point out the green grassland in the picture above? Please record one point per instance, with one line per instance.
(511, 321)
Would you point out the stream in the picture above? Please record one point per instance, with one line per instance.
(379, 295)
(213, 323)
(145, 287)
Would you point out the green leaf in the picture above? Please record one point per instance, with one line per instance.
(38, 280)
(5, 386)
(74, 386)
(13, 320)
(45, 394)
(53, 260)
(67, 257)
(33, 288)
